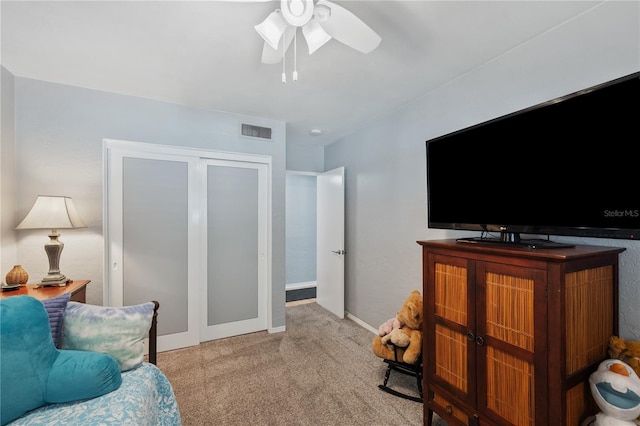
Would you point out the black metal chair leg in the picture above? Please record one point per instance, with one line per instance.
(404, 368)
(386, 375)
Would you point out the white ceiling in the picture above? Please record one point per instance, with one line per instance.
(206, 54)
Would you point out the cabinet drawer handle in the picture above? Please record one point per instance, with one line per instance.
(449, 409)
(470, 336)
(479, 340)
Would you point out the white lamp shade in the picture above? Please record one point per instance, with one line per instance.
(272, 28)
(315, 35)
(52, 212)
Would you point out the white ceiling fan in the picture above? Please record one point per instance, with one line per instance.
(320, 22)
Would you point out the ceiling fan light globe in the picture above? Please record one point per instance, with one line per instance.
(315, 35)
(272, 28)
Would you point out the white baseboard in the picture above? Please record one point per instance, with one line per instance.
(299, 286)
(280, 329)
(362, 323)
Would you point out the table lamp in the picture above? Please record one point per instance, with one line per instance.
(52, 212)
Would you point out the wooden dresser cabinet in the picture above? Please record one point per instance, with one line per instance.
(77, 288)
(511, 335)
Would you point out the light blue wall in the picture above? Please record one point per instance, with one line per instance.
(301, 228)
(59, 133)
(306, 158)
(8, 221)
(385, 163)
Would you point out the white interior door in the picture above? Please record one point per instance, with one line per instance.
(330, 252)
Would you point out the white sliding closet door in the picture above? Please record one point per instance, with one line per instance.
(191, 232)
(234, 247)
(152, 239)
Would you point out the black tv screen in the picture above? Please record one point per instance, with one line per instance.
(564, 167)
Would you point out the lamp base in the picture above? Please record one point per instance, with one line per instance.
(57, 280)
(54, 249)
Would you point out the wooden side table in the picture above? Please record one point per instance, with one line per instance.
(77, 288)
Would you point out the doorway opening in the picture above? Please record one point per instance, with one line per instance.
(315, 241)
(301, 236)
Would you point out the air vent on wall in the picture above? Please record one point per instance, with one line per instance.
(256, 131)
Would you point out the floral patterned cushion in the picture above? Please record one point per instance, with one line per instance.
(145, 398)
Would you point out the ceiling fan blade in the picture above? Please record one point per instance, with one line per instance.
(273, 56)
(347, 28)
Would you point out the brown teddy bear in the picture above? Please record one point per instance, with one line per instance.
(627, 351)
(408, 338)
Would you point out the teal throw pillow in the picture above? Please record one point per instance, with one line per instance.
(33, 372)
(118, 331)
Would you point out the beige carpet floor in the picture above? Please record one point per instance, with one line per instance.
(320, 371)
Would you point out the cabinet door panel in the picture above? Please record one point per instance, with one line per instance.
(507, 322)
(510, 387)
(451, 292)
(451, 358)
(452, 315)
(509, 309)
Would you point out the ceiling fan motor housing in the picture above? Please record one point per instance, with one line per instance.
(297, 12)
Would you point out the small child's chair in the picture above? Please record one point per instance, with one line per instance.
(414, 370)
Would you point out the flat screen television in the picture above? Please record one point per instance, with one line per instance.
(568, 166)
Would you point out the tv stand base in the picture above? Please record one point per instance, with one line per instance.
(532, 243)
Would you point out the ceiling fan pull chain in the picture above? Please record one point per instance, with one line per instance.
(295, 56)
(284, 57)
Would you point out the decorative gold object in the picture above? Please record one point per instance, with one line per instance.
(17, 275)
